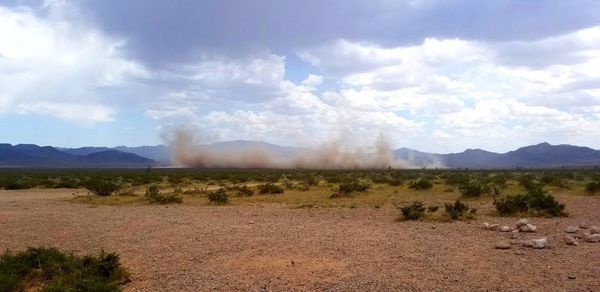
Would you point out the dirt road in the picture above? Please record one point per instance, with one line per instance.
(272, 247)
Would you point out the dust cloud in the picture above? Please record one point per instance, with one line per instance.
(188, 152)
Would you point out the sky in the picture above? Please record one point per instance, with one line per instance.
(434, 75)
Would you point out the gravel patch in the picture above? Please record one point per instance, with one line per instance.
(272, 247)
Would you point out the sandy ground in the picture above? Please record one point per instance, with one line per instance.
(271, 247)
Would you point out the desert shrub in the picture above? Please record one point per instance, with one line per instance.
(67, 183)
(288, 184)
(57, 271)
(535, 201)
(219, 196)
(455, 179)
(303, 187)
(348, 187)
(593, 187)
(459, 210)
(103, 187)
(18, 184)
(353, 186)
(153, 195)
(310, 180)
(244, 190)
(174, 179)
(472, 189)
(420, 184)
(269, 188)
(414, 211)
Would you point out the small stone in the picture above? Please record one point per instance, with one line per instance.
(572, 277)
(570, 240)
(571, 229)
(514, 235)
(584, 225)
(505, 229)
(515, 230)
(250, 222)
(595, 230)
(486, 225)
(539, 243)
(519, 252)
(527, 228)
(502, 245)
(593, 238)
(522, 222)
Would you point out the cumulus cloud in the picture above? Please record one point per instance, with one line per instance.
(50, 66)
(394, 67)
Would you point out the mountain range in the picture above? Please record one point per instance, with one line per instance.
(542, 155)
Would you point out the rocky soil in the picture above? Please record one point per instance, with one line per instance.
(272, 247)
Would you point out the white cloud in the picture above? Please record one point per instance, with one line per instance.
(86, 113)
(441, 94)
(49, 65)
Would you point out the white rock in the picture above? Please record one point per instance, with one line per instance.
(539, 243)
(570, 240)
(505, 229)
(486, 225)
(527, 228)
(522, 222)
(593, 238)
(595, 230)
(571, 229)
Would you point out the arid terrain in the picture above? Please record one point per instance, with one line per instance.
(273, 247)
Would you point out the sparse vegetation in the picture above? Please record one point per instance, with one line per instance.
(48, 269)
(472, 188)
(242, 191)
(219, 196)
(414, 211)
(535, 202)
(348, 187)
(269, 188)
(103, 187)
(420, 184)
(593, 187)
(459, 211)
(154, 195)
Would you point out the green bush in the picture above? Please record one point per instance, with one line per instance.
(414, 211)
(535, 201)
(472, 189)
(269, 188)
(348, 187)
(103, 187)
(244, 191)
(353, 186)
(459, 210)
(593, 187)
(219, 196)
(303, 187)
(57, 271)
(153, 195)
(420, 184)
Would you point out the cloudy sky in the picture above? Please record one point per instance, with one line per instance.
(434, 75)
